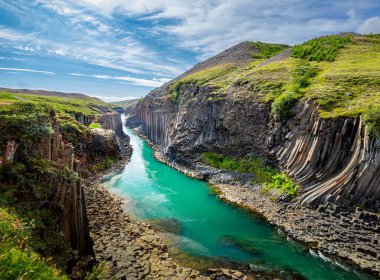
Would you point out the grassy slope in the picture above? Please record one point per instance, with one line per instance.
(126, 103)
(346, 86)
(78, 104)
(17, 259)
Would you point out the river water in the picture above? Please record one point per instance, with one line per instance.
(209, 227)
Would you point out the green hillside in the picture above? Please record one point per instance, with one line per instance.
(126, 103)
(341, 73)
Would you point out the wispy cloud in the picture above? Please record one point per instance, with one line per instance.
(156, 82)
(113, 98)
(27, 70)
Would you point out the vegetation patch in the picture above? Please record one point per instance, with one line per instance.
(268, 176)
(321, 49)
(94, 125)
(102, 164)
(267, 50)
(372, 120)
(73, 105)
(25, 122)
(302, 76)
(17, 259)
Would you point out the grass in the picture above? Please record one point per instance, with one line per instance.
(321, 49)
(268, 176)
(302, 75)
(94, 125)
(71, 105)
(372, 120)
(349, 86)
(17, 259)
(267, 50)
(25, 122)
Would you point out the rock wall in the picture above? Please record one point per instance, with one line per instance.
(68, 193)
(200, 122)
(332, 159)
(113, 122)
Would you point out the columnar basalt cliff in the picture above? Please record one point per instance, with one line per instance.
(113, 122)
(333, 160)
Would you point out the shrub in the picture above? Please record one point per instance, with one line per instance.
(94, 125)
(372, 120)
(265, 175)
(175, 88)
(282, 105)
(25, 122)
(267, 50)
(323, 48)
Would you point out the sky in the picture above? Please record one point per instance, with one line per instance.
(122, 49)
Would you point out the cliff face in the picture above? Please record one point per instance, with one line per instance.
(332, 159)
(113, 122)
(67, 195)
(58, 188)
(200, 123)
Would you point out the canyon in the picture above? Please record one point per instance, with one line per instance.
(334, 160)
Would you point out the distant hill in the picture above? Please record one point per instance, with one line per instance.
(62, 102)
(126, 103)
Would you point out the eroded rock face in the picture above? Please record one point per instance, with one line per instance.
(333, 160)
(103, 142)
(8, 154)
(200, 123)
(113, 122)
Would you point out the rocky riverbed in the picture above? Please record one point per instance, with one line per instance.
(351, 236)
(132, 249)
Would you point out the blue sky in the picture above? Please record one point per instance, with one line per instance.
(121, 49)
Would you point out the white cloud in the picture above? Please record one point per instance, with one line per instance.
(371, 25)
(27, 70)
(208, 27)
(113, 98)
(9, 34)
(156, 82)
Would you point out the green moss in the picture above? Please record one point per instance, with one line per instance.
(94, 125)
(269, 177)
(267, 50)
(321, 49)
(102, 164)
(99, 272)
(372, 120)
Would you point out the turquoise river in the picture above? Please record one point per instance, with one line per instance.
(210, 227)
